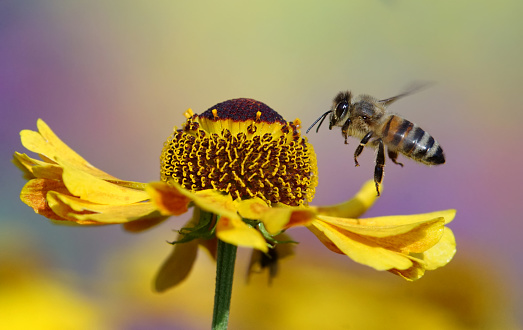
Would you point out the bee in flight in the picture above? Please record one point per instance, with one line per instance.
(366, 118)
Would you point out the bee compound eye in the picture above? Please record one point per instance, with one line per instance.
(341, 109)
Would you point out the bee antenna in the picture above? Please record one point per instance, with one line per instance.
(322, 118)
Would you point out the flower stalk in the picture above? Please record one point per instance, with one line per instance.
(226, 257)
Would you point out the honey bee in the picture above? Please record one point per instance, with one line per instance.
(366, 118)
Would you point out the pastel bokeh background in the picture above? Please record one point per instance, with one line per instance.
(112, 78)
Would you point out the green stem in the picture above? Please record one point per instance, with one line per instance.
(226, 256)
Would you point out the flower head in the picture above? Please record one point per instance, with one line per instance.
(249, 175)
(245, 149)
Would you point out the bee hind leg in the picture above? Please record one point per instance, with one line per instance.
(380, 164)
(359, 149)
(393, 155)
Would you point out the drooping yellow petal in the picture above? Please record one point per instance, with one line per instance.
(252, 208)
(177, 266)
(362, 250)
(398, 220)
(409, 237)
(91, 188)
(415, 272)
(169, 200)
(46, 143)
(34, 194)
(37, 168)
(324, 239)
(301, 217)
(35, 142)
(129, 184)
(355, 207)
(56, 155)
(216, 202)
(441, 253)
(82, 211)
(172, 199)
(19, 160)
(235, 231)
(275, 219)
(370, 228)
(418, 240)
(179, 263)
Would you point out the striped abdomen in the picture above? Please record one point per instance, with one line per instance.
(402, 136)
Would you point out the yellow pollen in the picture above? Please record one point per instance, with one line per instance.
(258, 116)
(215, 113)
(188, 113)
(251, 177)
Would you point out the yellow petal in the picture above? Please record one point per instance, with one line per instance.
(23, 166)
(397, 220)
(46, 143)
(216, 202)
(35, 142)
(437, 256)
(412, 273)
(324, 239)
(129, 184)
(252, 208)
(177, 266)
(34, 194)
(169, 200)
(91, 188)
(441, 253)
(85, 212)
(235, 231)
(37, 168)
(369, 228)
(409, 237)
(418, 240)
(355, 207)
(361, 250)
(277, 218)
(301, 217)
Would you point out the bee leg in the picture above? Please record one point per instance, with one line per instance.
(345, 130)
(359, 149)
(393, 155)
(380, 164)
(345, 135)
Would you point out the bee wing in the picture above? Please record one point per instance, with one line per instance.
(413, 88)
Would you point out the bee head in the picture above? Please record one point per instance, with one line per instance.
(341, 107)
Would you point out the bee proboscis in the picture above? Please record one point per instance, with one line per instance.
(367, 118)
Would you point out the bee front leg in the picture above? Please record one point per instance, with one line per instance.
(380, 164)
(345, 130)
(359, 149)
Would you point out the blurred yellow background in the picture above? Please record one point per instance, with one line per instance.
(112, 78)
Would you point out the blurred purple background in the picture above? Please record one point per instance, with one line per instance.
(113, 78)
